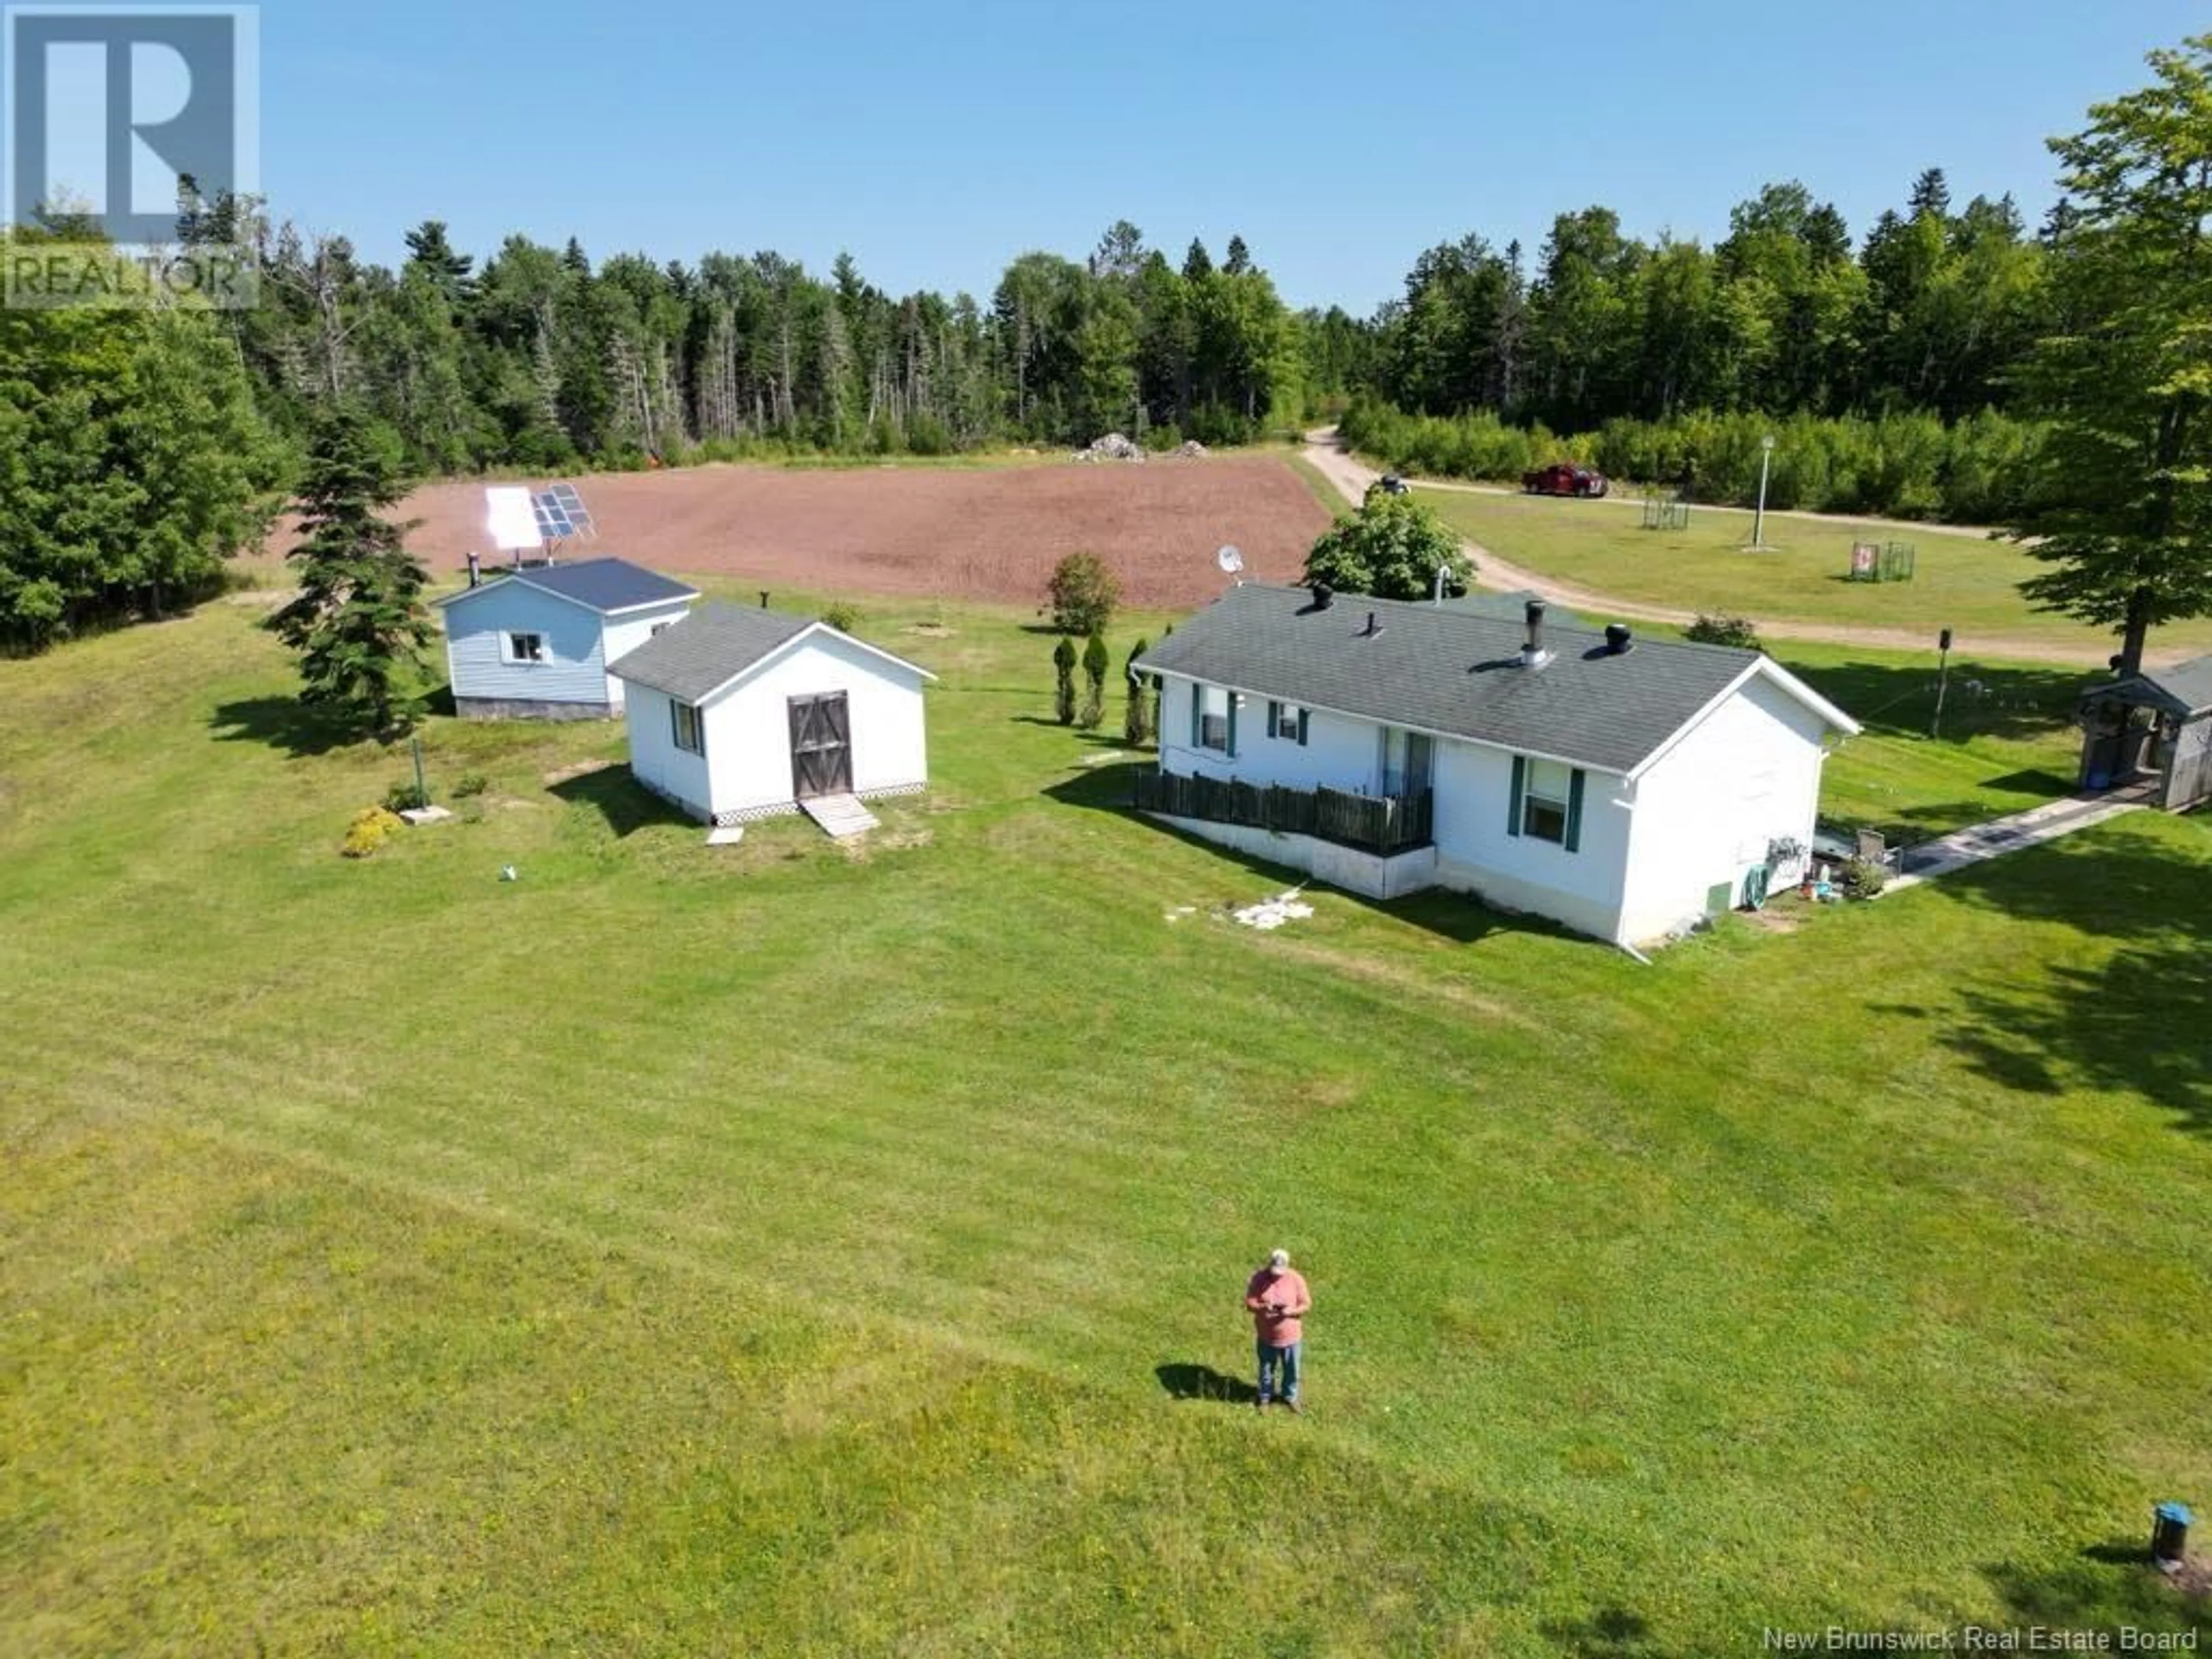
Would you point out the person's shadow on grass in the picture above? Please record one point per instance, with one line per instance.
(1184, 1381)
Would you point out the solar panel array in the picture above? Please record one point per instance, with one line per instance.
(561, 512)
(511, 519)
(567, 495)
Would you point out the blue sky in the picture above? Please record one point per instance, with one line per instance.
(935, 141)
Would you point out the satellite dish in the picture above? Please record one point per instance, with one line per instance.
(1229, 560)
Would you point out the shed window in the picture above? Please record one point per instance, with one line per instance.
(525, 647)
(1286, 720)
(1214, 717)
(685, 720)
(658, 629)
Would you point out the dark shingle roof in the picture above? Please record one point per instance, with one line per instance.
(1454, 671)
(1508, 607)
(2186, 687)
(709, 648)
(607, 585)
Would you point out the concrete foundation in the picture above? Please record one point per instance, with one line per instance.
(529, 708)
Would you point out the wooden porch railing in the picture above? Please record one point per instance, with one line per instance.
(1373, 824)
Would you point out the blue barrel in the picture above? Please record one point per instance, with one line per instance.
(2169, 1532)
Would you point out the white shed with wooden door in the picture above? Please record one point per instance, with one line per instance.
(737, 714)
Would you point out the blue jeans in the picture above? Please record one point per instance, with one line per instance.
(1282, 1361)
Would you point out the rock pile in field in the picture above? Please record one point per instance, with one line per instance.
(1114, 447)
(1191, 449)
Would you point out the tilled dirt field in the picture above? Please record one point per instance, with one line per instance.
(986, 533)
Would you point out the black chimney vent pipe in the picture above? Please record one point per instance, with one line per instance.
(476, 572)
(1618, 640)
(1323, 596)
(1373, 626)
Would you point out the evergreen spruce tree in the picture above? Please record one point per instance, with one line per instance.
(358, 620)
(1136, 722)
(1097, 659)
(1063, 668)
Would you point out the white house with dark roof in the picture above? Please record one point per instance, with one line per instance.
(1621, 786)
(535, 643)
(737, 714)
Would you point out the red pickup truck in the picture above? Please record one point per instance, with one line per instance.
(1563, 478)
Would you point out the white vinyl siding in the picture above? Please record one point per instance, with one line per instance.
(1745, 776)
(654, 757)
(482, 629)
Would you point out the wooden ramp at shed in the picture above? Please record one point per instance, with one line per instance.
(840, 816)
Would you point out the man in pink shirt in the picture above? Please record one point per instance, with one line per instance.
(1278, 1298)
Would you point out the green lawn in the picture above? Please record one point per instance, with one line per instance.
(780, 1250)
(1966, 583)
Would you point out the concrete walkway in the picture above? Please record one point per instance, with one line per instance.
(1940, 857)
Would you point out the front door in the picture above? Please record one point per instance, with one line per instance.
(821, 747)
(1409, 758)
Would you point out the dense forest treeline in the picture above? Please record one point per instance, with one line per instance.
(146, 445)
(539, 358)
(1886, 374)
(1931, 313)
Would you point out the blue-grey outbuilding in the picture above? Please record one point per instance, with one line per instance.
(535, 644)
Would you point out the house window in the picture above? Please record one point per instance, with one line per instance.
(525, 648)
(685, 720)
(1546, 796)
(1214, 717)
(1544, 800)
(1286, 720)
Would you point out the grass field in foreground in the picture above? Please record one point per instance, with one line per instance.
(1964, 583)
(786, 1250)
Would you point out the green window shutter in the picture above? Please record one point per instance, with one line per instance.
(1196, 696)
(675, 724)
(1575, 810)
(1233, 726)
(1304, 716)
(1513, 807)
(1275, 718)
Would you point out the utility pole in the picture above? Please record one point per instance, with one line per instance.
(1758, 519)
(1942, 681)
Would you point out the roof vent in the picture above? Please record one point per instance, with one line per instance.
(1323, 596)
(1532, 655)
(1372, 629)
(1618, 643)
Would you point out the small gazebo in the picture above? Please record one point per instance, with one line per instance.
(2154, 726)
